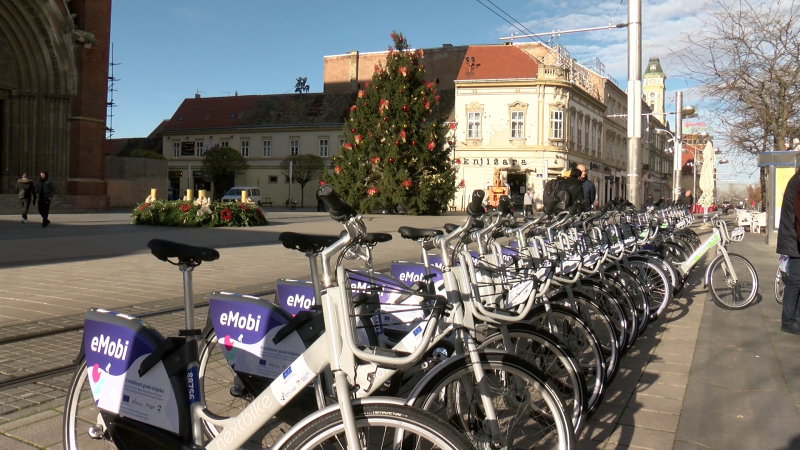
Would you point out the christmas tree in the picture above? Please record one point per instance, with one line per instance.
(395, 153)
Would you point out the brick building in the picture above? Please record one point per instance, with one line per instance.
(53, 85)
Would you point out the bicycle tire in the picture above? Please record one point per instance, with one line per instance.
(540, 419)
(724, 292)
(630, 282)
(621, 296)
(610, 306)
(780, 285)
(79, 411)
(656, 283)
(577, 337)
(600, 325)
(327, 432)
(557, 363)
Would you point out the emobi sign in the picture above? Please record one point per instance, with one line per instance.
(695, 127)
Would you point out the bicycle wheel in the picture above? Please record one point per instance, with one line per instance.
(81, 414)
(726, 292)
(656, 283)
(559, 366)
(577, 337)
(226, 394)
(381, 427)
(780, 285)
(529, 413)
(630, 282)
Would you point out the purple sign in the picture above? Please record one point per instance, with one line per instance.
(295, 296)
(112, 345)
(412, 272)
(246, 319)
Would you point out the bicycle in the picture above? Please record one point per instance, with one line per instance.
(731, 278)
(144, 387)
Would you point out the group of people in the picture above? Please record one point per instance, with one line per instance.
(576, 182)
(29, 192)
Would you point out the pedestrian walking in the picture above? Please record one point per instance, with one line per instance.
(527, 203)
(589, 191)
(789, 244)
(27, 193)
(687, 202)
(46, 190)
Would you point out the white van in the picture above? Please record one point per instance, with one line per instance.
(235, 194)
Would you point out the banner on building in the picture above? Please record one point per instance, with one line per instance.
(497, 162)
(187, 148)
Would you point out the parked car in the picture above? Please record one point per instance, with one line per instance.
(234, 194)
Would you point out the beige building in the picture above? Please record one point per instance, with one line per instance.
(264, 128)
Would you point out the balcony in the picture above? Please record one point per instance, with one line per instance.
(553, 73)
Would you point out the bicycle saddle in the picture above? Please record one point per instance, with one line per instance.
(418, 234)
(306, 242)
(187, 254)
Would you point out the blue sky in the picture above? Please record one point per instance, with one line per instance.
(169, 50)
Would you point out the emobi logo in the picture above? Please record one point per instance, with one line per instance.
(411, 276)
(241, 322)
(106, 346)
(300, 301)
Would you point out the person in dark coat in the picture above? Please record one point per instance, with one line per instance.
(27, 193)
(789, 244)
(46, 190)
(572, 183)
(589, 191)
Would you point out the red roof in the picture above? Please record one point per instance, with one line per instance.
(497, 62)
(210, 112)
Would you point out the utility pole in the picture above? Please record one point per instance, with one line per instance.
(634, 100)
(678, 153)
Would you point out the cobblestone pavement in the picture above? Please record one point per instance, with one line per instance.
(701, 377)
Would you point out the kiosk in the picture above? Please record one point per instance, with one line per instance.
(778, 168)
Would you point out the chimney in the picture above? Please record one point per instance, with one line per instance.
(354, 70)
(197, 95)
(235, 93)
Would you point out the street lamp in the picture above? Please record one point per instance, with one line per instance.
(681, 112)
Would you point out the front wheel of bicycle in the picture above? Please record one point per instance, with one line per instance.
(381, 427)
(81, 414)
(780, 285)
(734, 285)
(529, 413)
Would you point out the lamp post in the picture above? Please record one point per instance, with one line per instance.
(680, 112)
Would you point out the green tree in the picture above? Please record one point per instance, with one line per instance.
(395, 153)
(221, 165)
(305, 168)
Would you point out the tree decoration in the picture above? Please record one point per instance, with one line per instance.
(397, 106)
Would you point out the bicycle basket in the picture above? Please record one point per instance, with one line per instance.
(737, 234)
(386, 310)
(500, 291)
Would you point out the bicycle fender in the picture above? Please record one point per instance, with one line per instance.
(316, 415)
(412, 397)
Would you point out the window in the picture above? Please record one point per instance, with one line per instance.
(246, 149)
(599, 137)
(580, 131)
(474, 125)
(199, 149)
(557, 124)
(341, 142)
(517, 125)
(572, 127)
(594, 133)
(176, 149)
(268, 149)
(586, 133)
(323, 148)
(273, 179)
(294, 147)
(223, 144)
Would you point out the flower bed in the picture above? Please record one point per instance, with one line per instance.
(197, 213)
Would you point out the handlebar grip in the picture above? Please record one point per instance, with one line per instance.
(504, 205)
(339, 210)
(475, 207)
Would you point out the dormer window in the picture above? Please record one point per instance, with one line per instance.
(233, 116)
(180, 118)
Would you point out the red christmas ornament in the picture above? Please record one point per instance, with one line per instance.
(458, 161)
(352, 130)
(450, 143)
(452, 125)
(427, 105)
(413, 143)
(391, 160)
(431, 146)
(337, 170)
(405, 108)
(353, 108)
(396, 142)
(407, 184)
(372, 191)
(384, 119)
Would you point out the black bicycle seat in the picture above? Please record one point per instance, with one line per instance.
(306, 242)
(418, 234)
(188, 254)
